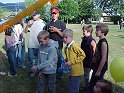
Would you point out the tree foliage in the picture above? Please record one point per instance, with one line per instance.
(69, 9)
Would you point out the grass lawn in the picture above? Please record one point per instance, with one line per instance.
(23, 84)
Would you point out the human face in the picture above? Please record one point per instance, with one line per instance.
(97, 88)
(98, 33)
(85, 33)
(36, 17)
(43, 41)
(54, 15)
(67, 39)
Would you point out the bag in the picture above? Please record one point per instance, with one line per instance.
(63, 69)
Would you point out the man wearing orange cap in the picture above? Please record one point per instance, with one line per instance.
(56, 27)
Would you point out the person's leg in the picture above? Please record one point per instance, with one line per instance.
(41, 84)
(11, 59)
(94, 80)
(74, 83)
(19, 55)
(86, 76)
(23, 56)
(32, 57)
(52, 83)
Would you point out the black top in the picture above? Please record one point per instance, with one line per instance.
(98, 55)
(88, 50)
(54, 35)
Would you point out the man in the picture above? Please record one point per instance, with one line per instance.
(56, 27)
(36, 25)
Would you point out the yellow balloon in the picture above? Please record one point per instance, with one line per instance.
(117, 69)
(54, 2)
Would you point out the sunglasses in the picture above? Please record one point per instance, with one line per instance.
(54, 13)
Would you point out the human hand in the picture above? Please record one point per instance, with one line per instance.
(30, 22)
(34, 68)
(68, 63)
(97, 74)
(53, 29)
(40, 74)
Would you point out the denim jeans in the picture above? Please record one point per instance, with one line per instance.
(32, 57)
(51, 83)
(19, 55)
(11, 53)
(74, 83)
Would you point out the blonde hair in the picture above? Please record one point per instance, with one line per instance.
(68, 32)
(43, 35)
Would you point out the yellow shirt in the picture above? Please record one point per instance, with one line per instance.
(76, 55)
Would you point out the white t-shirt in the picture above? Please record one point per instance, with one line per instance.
(36, 27)
(17, 31)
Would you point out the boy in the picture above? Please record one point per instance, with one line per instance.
(74, 57)
(100, 60)
(103, 86)
(48, 62)
(88, 45)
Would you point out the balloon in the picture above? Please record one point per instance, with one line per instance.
(117, 69)
(54, 2)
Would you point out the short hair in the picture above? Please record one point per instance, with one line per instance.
(43, 35)
(68, 32)
(8, 31)
(106, 86)
(89, 28)
(103, 28)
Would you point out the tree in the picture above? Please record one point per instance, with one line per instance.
(85, 9)
(42, 9)
(69, 9)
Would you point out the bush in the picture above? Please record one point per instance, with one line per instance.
(115, 19)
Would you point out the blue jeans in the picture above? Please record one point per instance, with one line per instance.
(74, 83)
(11, 53)
(51, 83)
(32, 57)
(18, 55)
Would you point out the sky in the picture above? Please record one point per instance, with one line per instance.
(11, 1)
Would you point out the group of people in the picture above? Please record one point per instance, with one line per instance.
(45, 46)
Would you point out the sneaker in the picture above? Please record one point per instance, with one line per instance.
(2, 73)
(11, 75)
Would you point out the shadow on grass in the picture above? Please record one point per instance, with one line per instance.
(118, 89)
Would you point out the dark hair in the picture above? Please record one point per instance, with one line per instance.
(106, 86)
(8, 31)
(103, 28)
(89, 28)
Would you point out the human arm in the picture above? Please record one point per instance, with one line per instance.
(51, 60)
(93, 44)
(55, 29)
(78, 54)
(103, 59)
(30, 22)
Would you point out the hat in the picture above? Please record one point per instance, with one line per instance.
(35, 13)
(54, 10)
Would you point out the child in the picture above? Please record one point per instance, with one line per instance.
(100, 60)
(103, 86)
(48, 62)
(74, 57)
(10, 50)
(88, 45)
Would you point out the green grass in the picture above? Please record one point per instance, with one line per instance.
(23, 84)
